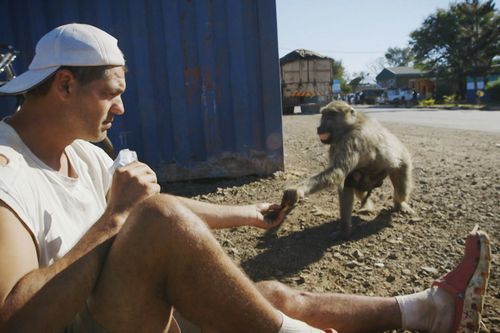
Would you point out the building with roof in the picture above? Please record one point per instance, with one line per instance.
(480, 85)
(407, 78)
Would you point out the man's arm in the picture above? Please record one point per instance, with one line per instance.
(46, 299)
(227, 216)
(26, 290)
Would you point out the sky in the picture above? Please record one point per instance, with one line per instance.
(357, 32)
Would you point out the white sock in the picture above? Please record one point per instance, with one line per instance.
(291, 325)
(429, 310)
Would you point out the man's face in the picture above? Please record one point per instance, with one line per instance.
(97, 103)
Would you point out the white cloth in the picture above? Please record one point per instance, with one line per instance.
(56, 209)
(290, 325)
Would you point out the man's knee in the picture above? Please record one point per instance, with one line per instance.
(161, 217)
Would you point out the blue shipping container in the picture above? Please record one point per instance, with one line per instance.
(203, 90)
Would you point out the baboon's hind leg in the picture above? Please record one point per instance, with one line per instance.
(402, 182)
(346, 199)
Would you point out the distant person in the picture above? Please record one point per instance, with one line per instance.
(85, 249)
(415, 97)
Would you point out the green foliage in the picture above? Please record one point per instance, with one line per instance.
(460, 41)
(345, 87)
(493, 89)
(427, 102)
(337, 69)
(397, 56)
(451, 99)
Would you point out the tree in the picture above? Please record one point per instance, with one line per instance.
(375, 67)
(459, 42)
(397, 56)
(337, 69)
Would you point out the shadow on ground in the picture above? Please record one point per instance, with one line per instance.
(286, 256)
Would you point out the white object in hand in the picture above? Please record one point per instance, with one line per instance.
(125, 156)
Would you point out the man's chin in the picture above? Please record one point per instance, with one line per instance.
(99, 138)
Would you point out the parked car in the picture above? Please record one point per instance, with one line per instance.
(397, 96)
(371, 95)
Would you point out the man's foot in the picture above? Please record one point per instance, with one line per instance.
(466, 284)
(455, 301)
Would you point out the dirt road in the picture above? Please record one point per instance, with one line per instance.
(457, 184)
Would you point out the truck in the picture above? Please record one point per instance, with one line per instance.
(399, 96)
(306, 81)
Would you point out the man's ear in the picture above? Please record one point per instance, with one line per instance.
(64, 83)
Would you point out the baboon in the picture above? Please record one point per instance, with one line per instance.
(362, 154)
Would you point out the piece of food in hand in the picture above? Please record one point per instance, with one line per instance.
(276, 214)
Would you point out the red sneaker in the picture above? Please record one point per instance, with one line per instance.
(467, 283)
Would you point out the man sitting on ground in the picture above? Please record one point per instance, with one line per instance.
(82, 250)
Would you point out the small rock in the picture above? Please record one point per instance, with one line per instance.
(357, 254)
(390, 278)
(338, 256)
(233, 250)
(406, 271)
(430, 270)
(416, 219)
(300, 280)
(379, 264)
(320, 212)
(278, 174)
(392, 256)
(352, 264)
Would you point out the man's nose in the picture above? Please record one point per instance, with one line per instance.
(117, 107)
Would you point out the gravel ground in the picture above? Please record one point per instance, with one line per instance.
(457, 185)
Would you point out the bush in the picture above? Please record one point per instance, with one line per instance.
(427, 102)
(493, 89)
(450, 99)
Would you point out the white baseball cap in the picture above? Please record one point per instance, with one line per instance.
(72, 44)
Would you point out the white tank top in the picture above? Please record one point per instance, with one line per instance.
(56, 209)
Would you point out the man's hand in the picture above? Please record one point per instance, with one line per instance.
(131, 184)
(269, 216)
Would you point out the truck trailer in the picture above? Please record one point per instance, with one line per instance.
(306, 81)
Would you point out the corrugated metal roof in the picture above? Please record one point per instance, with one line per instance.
(404, 70)
(301, 54)
(203, 90)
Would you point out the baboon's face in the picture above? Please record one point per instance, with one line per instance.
(337, 118)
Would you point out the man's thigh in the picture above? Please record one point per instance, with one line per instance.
(129, 295)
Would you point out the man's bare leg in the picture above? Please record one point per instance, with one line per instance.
(345, 313)
(454, 302)
(166, 255)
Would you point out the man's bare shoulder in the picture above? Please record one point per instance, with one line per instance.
(18, 254)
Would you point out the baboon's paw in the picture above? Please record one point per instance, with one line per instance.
(367, 208)
(404, 208)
